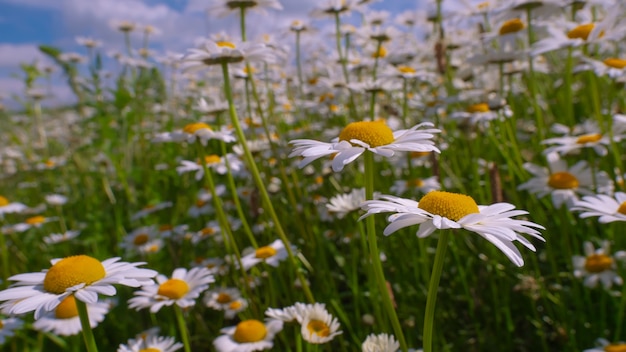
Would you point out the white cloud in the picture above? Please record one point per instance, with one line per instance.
(12, 55)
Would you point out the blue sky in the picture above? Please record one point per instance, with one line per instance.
(24, 24)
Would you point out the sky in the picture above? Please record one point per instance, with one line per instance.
(25, 24)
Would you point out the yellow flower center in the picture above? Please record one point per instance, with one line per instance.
(615, 62)
(374, 133)
(35, 220)
(265, 252)
(511, 26)
(66, 309)
(589, 138)
(318, 327)
(4, 202)
(235, 305)
(72, 271)
(415, 183)
(207, 231)
(224, 44)
(140, 239)
(622, 208)
(480, 107)
(250, 330)
(212, 159)
(483, 5)
(173, 289)
(597, 263)
(581, 32)
(615, 347)
(200, 203)
(406, 69)
(223, 298)
(195, 127)
(453, 206)
(382, 52)
(150, 349)
(166, 227)
(562, 180)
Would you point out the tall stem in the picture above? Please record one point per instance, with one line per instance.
(182, 327)
(433, 286)
(259, 181)
(5, 258)
(375, 255)
(90, 341)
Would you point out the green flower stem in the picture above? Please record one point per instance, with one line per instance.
(344, 63)
(5, 258)
(569, 100)
(299, 64)
(242, 23)
(241, 138)
(375, 254)
(433, 286)
(532, 88)
(182, 327)
(90, 342)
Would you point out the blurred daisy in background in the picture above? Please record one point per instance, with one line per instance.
(32, 222)
(603, 345)
(8, 327)
(317, 325)
(608, 208)
(598, 266)
(181, 289)
(227, 299)
(150, 209)
(8, 207)
(211, 53)
(249, 335)
(357, 137)
(64, 319)
(151, 343)
(271, 255)
(342, 204)
(445, 210)
(221, 8)
(423, 185)
(198, 131)
(380, 343)
(80, 276)
(55, 238)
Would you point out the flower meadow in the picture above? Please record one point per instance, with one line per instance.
(359, 181)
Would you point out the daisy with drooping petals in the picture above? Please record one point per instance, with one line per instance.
(564, 183)
(357, 137)
(247, 336)
(380, 343)
(64, 319)
(151, 343)
(342, 204)
(445, 210)
(272, 255)
(198, 131)
(82, 276)
(598, 266)
(8, 326)
(608, 208)
(182, 289)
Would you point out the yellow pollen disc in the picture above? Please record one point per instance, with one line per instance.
(166, 227)
(207, 231)
(312, 81)
(622, 208)
(621, 347)
(319, 180)
(195, 127)
(333, 108)
(562, 180)
(318, 327)
(597, 263)
(615, 62)
(173, 289)
(453, 206)
(581, 32)
(200, 203)
(223, 298)
(480, 107)
(406, 69)
(35, 220)
(140, 239)
(250, 331)
(265, 252)
(419, 154)
(4, 201)
(66, 309)
(212, 159)
(589, 138)
(382, 52)
(49, 163)
(483, 5)
(72, 271)
(511, 26)
(150, 349)
(415, 183)
(225, 44)
(235, 305)
(374, 133)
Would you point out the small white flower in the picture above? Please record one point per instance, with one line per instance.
(380, 343)
(597, 266)
(247, 336)
(272, 255)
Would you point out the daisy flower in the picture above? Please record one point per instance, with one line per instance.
(197, 131)
(221, 8)
(272, 255)
(32, 222)
(151, 343)
(7, 207)
(8, 326)
(61, 237)
(150, 209)
(211, 230)
(213, 162)
(564, 183)
(136, 241)
(598, 266)
(568, 144)
(317, 325)
(247, 336)
(222, 52)
(423, 185)
(82, 276)
(342, 204)
(226, 299)
(64, 319)
(182, 289)
(380, 343)
(613, 67)
(444, 210)
(216, 266)
(608, 208)
(56, 199)
(358, 137)
(605, 346)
